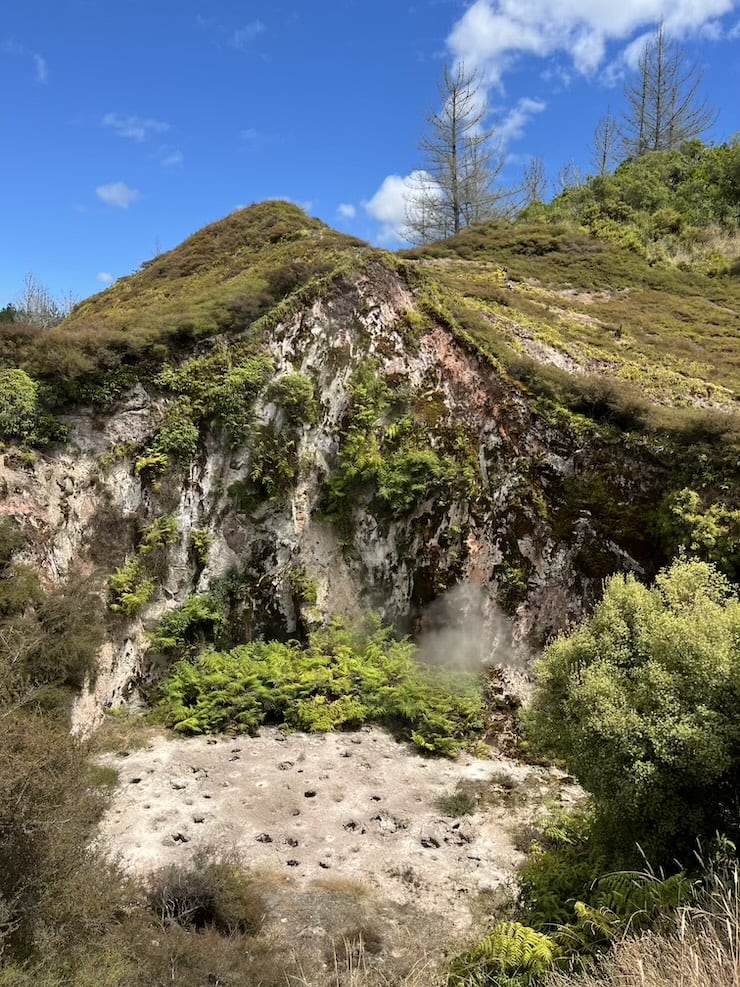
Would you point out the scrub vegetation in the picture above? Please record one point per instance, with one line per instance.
(609, 320)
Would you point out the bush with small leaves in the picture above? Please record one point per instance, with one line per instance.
(641, 703)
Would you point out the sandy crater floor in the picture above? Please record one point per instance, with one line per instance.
(323, 808)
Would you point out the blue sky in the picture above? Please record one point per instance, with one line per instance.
(129, 125)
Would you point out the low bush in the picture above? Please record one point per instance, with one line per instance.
(208, 893)
(184, 630)
(456, 804)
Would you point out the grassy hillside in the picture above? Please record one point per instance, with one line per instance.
(572, 301)
(223, 278)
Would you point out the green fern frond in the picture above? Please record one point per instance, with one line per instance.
(512, 952)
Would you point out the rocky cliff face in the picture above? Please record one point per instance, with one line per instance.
(421, 467)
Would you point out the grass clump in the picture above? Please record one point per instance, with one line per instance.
(342, 679)
(210, 893)
(456, 804)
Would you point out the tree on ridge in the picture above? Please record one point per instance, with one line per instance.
(664, 108)
(462, 161)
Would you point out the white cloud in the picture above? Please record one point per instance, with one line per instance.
(249, 134)
(117, 194)
(42, 70)
(244, 37)
(492, 33)
(735, 32)
(174, 159)
(104, 277)
(389, 205)
(512, 126)
(133, 127)
(347, 211)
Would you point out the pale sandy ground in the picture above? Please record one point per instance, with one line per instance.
(352, 813)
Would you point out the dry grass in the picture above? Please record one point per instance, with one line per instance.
(352, 967)
(700, 949)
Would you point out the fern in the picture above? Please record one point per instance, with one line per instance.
(511, 954)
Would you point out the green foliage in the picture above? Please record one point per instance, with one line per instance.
(566, 898)
(387, 451)
(200, 541)
(221, 386)
(130, 587)
(184, 629)
(513, 955)
(19, 410)
(711, 533)
(512, 586)
(161, 533)
(22, 418)
(562, 867)
(303, 587)
(341, 679)
(658, 204)
(274, 462)
(134, 584)
(456, 804)
(294, 393)
(641, 703)
(178, 436)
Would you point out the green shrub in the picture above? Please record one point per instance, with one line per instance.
(178, 435)
(190, 625)
(130, 588)
(712, 533)
(342, 679)
(641, 703)
(21, 417)
(294, 393)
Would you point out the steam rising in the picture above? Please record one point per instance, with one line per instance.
(465, 629)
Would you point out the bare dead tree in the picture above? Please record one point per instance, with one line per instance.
(534, 184)
(462, 160)
(664, 106)
(37, 306)
(606, 143)
(569, 176)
